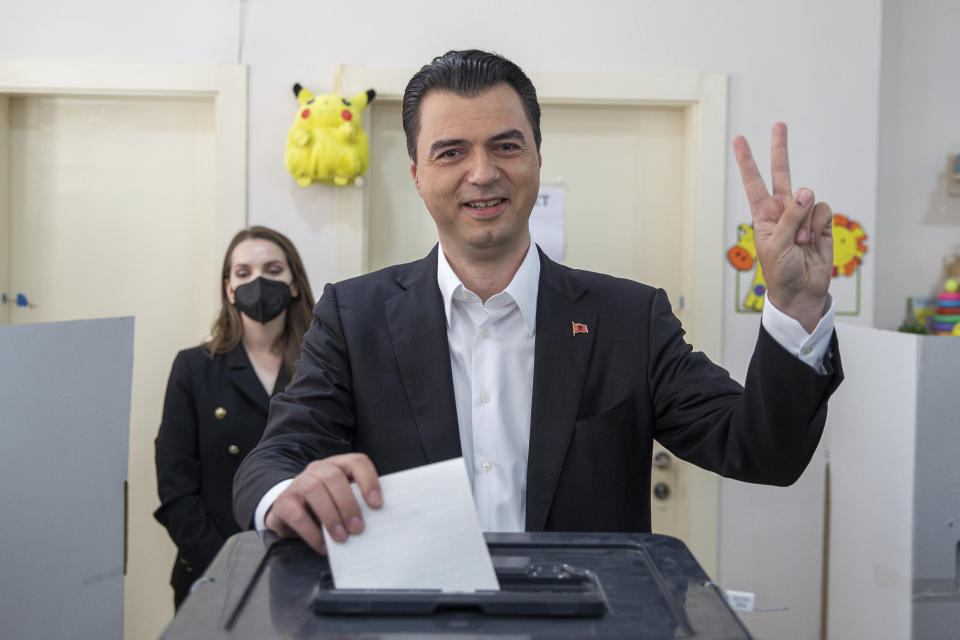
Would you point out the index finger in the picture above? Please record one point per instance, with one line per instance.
(780, 161)
(749, 174)
(359, 468)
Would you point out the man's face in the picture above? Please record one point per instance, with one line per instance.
(478, 171)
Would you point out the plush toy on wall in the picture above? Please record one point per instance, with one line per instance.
(327, 142)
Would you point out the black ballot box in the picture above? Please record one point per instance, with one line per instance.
(553, 585)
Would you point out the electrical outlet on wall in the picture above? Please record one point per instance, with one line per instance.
(740, 600)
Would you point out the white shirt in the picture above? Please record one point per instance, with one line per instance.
(492, 356)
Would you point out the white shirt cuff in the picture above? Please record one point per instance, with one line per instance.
(260, 515)
(809, 347)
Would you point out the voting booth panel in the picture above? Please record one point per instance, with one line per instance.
(894, 451)
(65, 398)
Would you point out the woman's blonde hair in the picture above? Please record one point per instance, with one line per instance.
(227, 329)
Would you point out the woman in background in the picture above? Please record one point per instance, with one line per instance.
(219, 394)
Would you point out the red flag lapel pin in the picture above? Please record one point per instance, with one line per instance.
(579, 327)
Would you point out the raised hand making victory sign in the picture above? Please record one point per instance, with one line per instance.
(793, 235)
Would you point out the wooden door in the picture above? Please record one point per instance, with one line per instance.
(113, 212)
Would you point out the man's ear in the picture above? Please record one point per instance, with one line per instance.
(413, 174)
(539, 160)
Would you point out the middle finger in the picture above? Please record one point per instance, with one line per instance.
(780, 162)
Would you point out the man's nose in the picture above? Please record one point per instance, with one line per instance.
(483, 170)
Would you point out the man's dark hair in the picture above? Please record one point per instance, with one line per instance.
(466, 73)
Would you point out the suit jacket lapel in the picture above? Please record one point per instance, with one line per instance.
(418, 330)
(240, 374)
(559, 371)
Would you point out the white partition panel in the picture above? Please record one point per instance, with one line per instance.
(894, 446)
(64, 422)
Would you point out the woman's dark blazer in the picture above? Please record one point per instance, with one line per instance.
(213, 415)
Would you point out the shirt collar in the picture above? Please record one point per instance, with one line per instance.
(523, 288)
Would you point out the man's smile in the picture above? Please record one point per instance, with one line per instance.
(486, 208)
(483, 204)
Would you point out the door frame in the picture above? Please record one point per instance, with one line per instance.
(703, 96)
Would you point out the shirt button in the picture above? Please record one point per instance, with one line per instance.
(485, 333)
(485, 466)
(233, 449)
(219, 413)
(485, 397)
(806, 350)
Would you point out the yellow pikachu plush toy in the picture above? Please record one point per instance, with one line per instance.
(327, 142)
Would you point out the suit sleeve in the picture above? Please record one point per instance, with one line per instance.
(182, 510)
(765, 432)
(313, 418)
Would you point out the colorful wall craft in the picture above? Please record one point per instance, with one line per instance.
(849, 247)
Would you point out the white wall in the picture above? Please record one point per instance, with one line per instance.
(812, 63)
(918, 224)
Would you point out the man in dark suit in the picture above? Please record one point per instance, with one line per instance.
(551, 382)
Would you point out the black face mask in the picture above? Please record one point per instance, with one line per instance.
(262, 299)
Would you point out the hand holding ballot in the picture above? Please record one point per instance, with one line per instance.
(428, 538)
(321, 496)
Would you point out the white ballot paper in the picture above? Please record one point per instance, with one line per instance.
(425, 536)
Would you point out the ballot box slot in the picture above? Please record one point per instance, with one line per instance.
(526, 589)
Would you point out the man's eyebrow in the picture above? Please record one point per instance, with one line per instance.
(508, 135)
